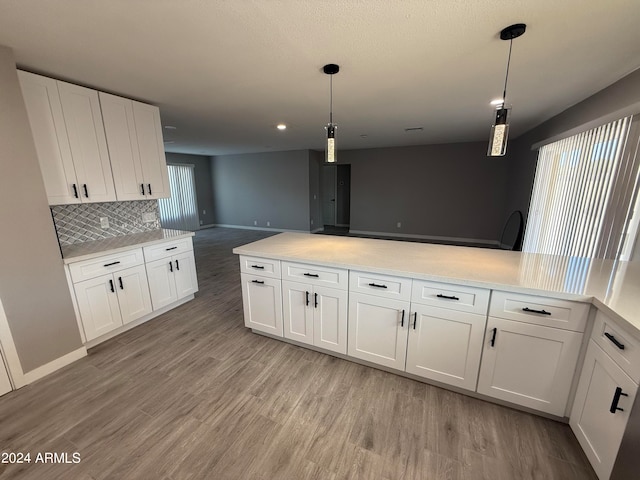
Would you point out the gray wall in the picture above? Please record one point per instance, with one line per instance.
(204, 192)
(450, 190)
(264, 187)
(33, 287)
(316, 159)
(615, 101)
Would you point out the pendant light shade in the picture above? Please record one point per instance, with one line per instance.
(330, 155)
(500, 127)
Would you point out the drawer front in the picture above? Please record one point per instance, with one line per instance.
(454, 297)
(95, 267)
(621, 346)
(316, 275)
(550, 312)
(380, 285)
(265, 267)
(167, 249)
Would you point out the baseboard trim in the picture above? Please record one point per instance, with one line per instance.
(494, 243)
(266, 229)
(209, 225)
(316, 230)
(51, 367)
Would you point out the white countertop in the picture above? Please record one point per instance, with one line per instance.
(613, 287)
(87, 250)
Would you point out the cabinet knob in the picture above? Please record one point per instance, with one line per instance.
(531, 310)
(142, 188)
(75, 190)
(86, 190)
(493, 337)
(614, 340)
(111, 286)
(149, 186)
(448, 297)
(120, 283)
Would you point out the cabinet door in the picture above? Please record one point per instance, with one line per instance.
(184, 272)
(133, 293)
(330, 319)
(122, 140)
(598, 430)
(262, 304)
(445, 345)
(5, 384)
(528, 364)
(151, 148)
(162, 284)
(44, 110)
(83, 119)
(297, 303)
(378, 329)
(98, 306)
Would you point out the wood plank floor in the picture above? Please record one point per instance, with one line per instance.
(192, 394)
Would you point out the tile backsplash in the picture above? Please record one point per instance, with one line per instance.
(81, 222)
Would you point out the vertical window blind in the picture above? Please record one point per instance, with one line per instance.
(180, 211)
(583, 188)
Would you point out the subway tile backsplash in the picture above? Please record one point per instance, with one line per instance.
(81, 222)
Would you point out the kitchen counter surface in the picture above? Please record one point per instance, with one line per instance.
(613, 287)
(87, 250)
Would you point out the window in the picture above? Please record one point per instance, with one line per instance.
(181, 210)
(582, 193)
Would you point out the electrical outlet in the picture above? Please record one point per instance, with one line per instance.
(255, 222)
(312, 221)
(204, 212)
(148, 217)
(399, 224)
(268, 224)
(201, 222)
(104, 222)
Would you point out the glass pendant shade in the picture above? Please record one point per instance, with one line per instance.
(499, 133)
(330, 156)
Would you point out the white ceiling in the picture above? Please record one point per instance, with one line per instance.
(225, 72)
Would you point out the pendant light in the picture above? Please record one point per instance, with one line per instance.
(330, 156)
(500, 127)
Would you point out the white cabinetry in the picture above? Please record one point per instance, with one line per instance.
(116, 296)
(604, 396)
(527, 363)
(262, 294)
(172, 275)
(68, 132)
(315, 305)
(134, 138)
(378, 329)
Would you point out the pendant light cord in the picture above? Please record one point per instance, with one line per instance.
(506, 77)
(331, 99)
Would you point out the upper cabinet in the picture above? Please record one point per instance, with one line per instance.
(68, 132)
(134, 137)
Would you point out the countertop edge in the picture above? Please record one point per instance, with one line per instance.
(593, 300)
(88, 256)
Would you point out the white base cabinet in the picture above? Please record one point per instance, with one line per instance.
(529, 364)
(315, 315)
(113, 290)
(262, 303)
(445, 345)
(171, 279)
(109, 301)
(378, 329)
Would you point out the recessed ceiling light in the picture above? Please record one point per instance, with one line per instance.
(170, 127)
(364, 136)
(413, 129)
(281, 126)
(497, 101)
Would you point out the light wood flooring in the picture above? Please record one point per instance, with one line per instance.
(193, 394)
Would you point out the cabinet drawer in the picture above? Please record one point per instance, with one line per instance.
(265, 267)
(550, 312)
(316, 275)
(621, 347)
(95, 267)
(380, 285)
(164, 250)
(455, 297)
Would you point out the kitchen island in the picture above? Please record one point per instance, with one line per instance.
(543, 333)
